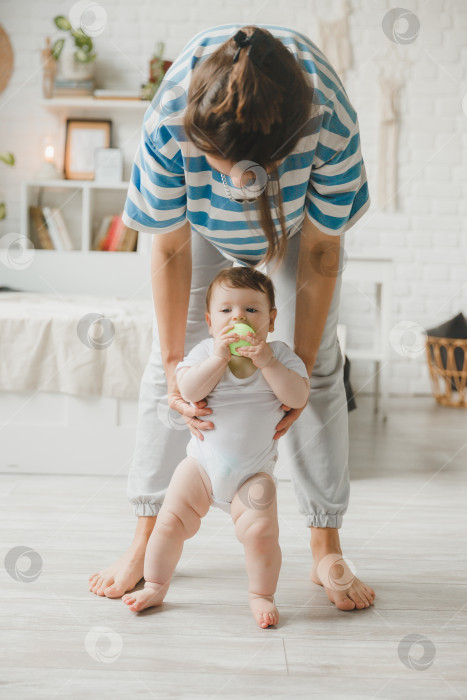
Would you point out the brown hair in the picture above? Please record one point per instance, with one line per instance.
(241, 277)
(255, 110)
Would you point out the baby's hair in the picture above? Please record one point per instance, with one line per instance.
(243, 277)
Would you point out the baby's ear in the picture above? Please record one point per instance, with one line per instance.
(272, 318)
(208, 320)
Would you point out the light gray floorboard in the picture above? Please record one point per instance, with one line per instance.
(404, 532)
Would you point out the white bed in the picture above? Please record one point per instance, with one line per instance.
(70, 370)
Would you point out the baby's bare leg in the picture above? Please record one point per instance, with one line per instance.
(187, 500)
(254, 512)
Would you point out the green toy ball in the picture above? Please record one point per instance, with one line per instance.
(241, 329)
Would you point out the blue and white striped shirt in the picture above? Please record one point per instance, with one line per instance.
(323, 177)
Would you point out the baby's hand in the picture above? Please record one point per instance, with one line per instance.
(259, 351)
(222, 342)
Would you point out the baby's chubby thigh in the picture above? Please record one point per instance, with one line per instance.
(254, 509)
(188, 497)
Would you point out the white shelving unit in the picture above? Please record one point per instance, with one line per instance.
(92, 103)
(83, 204)
(77, 200)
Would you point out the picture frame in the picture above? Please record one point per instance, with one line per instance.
(83, 137)
(108, 165)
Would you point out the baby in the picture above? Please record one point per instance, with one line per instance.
(232, 465)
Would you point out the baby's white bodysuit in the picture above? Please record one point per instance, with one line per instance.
(245, 413)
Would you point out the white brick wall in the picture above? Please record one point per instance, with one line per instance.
(426, 236)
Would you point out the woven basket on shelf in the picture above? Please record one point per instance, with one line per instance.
(447, 362)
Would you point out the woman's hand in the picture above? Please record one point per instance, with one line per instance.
(192, 415)
(283, 425)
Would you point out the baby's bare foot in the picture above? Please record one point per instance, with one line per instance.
(263, 609)
(152, 594)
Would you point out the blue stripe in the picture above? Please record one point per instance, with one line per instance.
(137, 215)
(361, 198)
(326, 154)
(351, 174)
(153, 201)
(339, 199)
(332, 222)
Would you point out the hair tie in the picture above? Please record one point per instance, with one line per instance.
(252, 43)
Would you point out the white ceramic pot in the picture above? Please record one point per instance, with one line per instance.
(71, 69)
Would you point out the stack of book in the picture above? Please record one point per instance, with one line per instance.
(73, 88)
(48, 229)
(116, 94)
(112, 234)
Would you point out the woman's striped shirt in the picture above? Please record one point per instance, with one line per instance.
(324, 176)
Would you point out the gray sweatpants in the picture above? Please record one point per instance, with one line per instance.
(314, 451)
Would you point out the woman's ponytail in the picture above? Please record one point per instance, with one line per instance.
(249, 87)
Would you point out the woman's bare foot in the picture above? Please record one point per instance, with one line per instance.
(121, 576)
(124, 574)
(152, 594)
(343, 588)
(263, 609)
(331, 571)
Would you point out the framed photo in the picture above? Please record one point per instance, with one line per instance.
(83, 137)
(108, 165)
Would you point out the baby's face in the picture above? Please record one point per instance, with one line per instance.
(231, 305)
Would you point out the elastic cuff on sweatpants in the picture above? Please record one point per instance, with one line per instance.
(324, 520)
(146, 508)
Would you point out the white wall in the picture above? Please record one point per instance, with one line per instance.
(426, 236)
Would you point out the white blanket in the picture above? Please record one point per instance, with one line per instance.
(62, 344)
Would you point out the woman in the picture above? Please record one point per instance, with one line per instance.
(250, 153)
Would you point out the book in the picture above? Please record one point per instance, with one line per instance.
(116, 94)
(39, 232)
(73, 92)
(64, 83)
(113, 235)
(128, 240)
(73, 88)
(115, 231)
(53, 228)
(62, 229)
(101, 234)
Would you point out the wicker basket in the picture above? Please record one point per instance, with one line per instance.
(448, 382)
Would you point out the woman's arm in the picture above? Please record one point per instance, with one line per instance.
(171, 268)
(171, 281)
(318, 266)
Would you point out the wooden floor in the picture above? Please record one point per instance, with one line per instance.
(405, 533)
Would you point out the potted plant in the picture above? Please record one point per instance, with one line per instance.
(157, 69)
(9, 159)
(77, 63)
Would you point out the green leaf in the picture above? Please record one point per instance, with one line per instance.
(84, 57)
(2, 211)
(7, 158)
(57, 48)
(62, 23)
(82, 40)
(159, 50)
